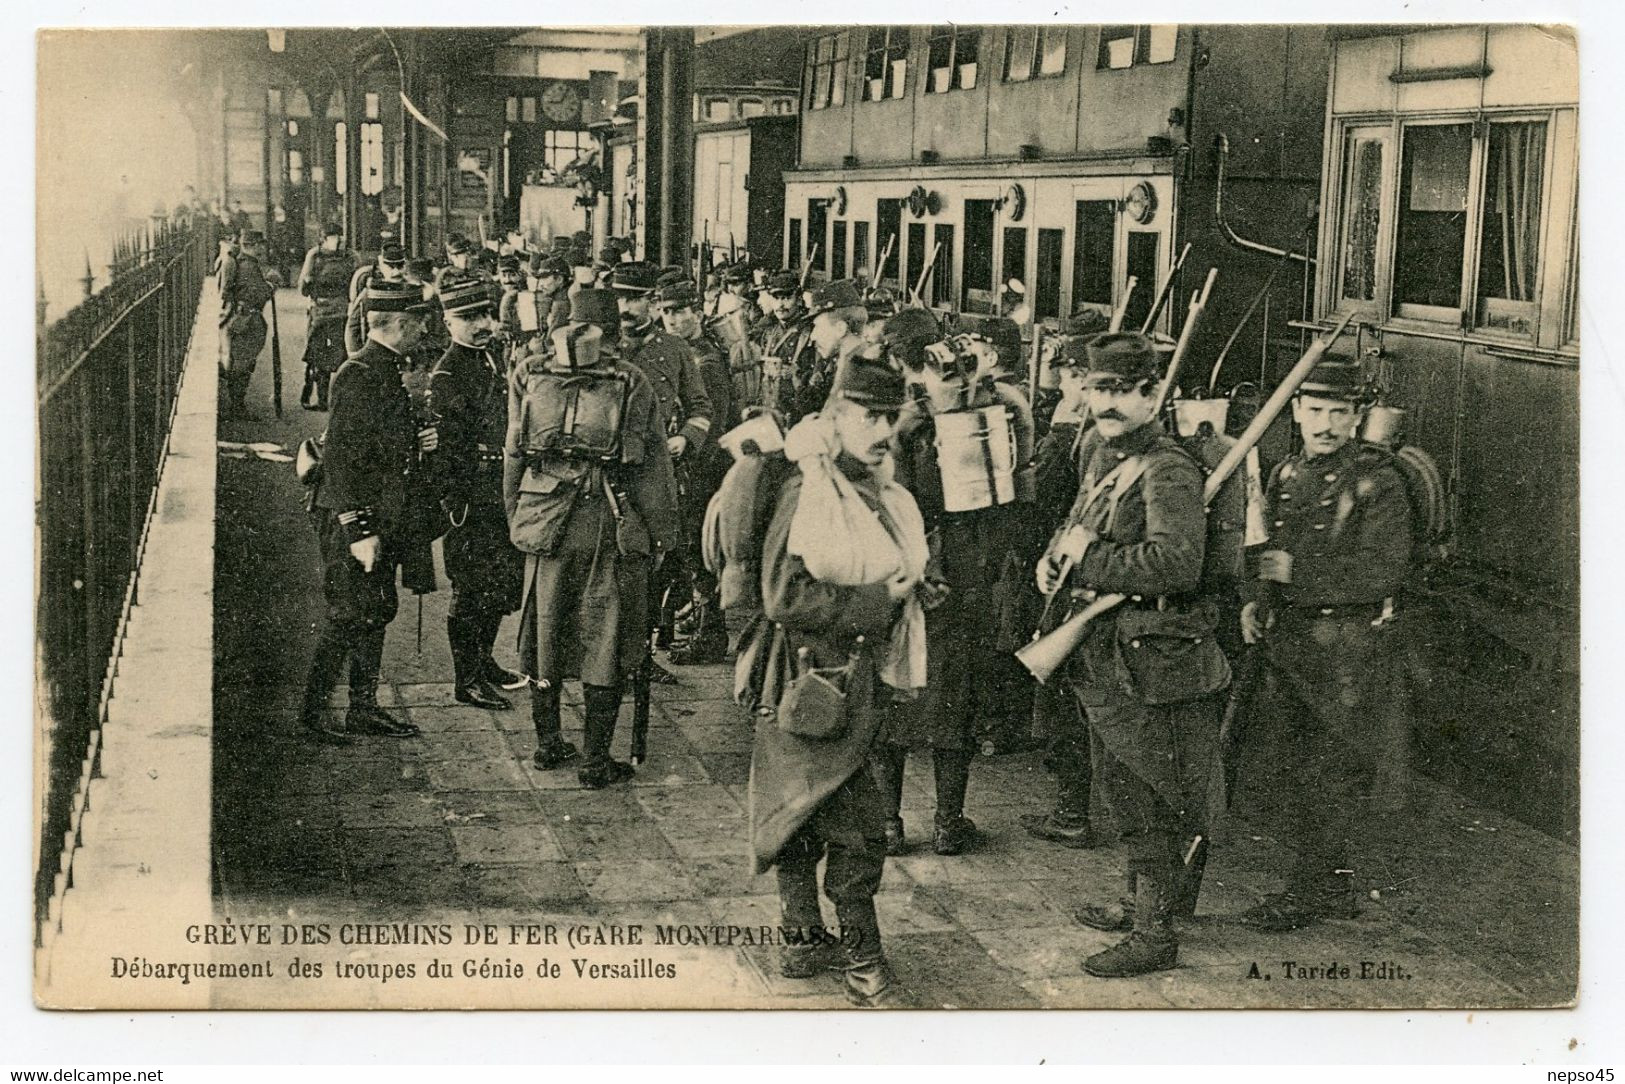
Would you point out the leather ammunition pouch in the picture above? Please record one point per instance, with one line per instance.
(814, 704)
(1169, 656)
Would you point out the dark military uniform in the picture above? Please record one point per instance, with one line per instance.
(244, 291)
(368, 464)
(590, 528)
(968, 555)
(470, 399)
(324, 278)
(355, 322)
(787, 349)
(1330, 662)
(1147, 672)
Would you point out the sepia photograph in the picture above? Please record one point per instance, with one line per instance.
(959, 516)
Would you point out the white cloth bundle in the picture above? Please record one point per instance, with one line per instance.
(844, 541)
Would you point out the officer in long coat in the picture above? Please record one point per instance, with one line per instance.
(246, 286)
(1324, 608)
(469, 397)
(683, 406)
(1148, 672)
(324, 277)
(370, 463)
(592, 510)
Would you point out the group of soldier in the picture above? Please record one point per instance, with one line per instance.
(557, 424)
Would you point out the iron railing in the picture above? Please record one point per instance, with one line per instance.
(107, 376)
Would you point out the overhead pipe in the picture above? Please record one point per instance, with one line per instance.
(1223, 145)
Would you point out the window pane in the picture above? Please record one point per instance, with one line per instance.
(942, 272)
(1018, 53)
(1015, 256)
(1142, 264)
(372, 106)
(1432, 215)
(940, 62)
(296, 167)
(1093, 244)
(1047, 281)
(793, 263)
(860, 250)
(1116, 46)
(838, 84)
(817, 229)
(1162, 42)
(752, 107)
(1509, 244)
(898, 78)
(967, 50)
(978, 267)
(372, 159)
(837, 250)
(888, 223)
(1362, 210)
(527, 110)
(341, 158)
(512, 113)
(716, 109)
(916, 254)
(1053, 60)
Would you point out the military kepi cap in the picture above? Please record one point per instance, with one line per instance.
(464, 295)
(597, 306)
(1333, 378)
(385, 296)
(870, 382)
(252, 237)
(840, 294)
(1121, 360)
(635, 278)
(392, 252)
(677, 294)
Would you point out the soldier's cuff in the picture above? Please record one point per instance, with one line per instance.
(358, 524)
(694, 432)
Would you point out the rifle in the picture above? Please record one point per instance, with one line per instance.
(1044, 655)
(1213, 380)
(276, 361)
(925, 272)
(640, 697)
(880, 264)
(806, 268)
(1167, 289)
(1116, 323)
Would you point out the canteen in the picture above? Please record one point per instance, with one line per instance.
(976, 453)
(1190, 414)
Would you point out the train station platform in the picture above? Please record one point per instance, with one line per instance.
(452, 850)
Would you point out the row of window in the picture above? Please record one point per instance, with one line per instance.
(954, 58)
(841, 249)
(1453, 234)
(719, 109)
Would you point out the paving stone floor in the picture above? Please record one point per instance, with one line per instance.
(457, 827)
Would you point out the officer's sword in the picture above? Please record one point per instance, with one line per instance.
(276, 361)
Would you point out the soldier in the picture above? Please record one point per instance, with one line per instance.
(372, 450)
(391, 267)
(683, 407)
(784, 343)
(811, 797)
(550, 275)
(470, 401)
(246, 285)
(964, 582)
(1056, 714)
(1148, 671)
(736, 284)
(325, 279)
(1323, 607)
(590, 497)
(836, 333)
(459, 257)
(707, 640)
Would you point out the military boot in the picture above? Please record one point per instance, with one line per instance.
(603, 704)
(364, 715)
(1061, 827)
(1111, 917)
(1151, 946)
(324, 669)
(954, 835)
(870, 984)
(492, 671)
(469, 687)
(552, 751)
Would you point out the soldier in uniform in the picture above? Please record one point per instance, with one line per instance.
(324, 277)
(811, 797)
(469, 394)
(683, 407)
(707, 639)
(459, 258)
(246, 285)
(836, 333)
(590, 497)
(784, 345)
(372, 453)
(964, 581)
(391, 267)
(1323, 608)
(1149, 671)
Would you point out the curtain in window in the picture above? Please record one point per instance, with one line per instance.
(1517, 153)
